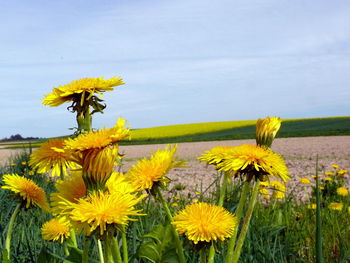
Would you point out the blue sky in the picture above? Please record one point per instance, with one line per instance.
(183, 61)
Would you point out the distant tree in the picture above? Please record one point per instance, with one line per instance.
(17, 137)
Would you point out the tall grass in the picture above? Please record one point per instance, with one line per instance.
(280, 230)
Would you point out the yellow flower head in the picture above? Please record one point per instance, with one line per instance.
(78, 90)
(304, 180)
(23, 163)
(277, 185)
(342, 191)
(117, 183)
(202, 222)
(312, 206)
(254, 162)
(147, 172)
(341, 172)
(28, 191)
(278, 195)
(99, 151)
(335, 166)
(71, 189)
(100, 210)
(263, 191)
(328, 173)
(336, 206)
(56, 229)
(51, 157)
(216, 155)
(328, 179)
(266, 130)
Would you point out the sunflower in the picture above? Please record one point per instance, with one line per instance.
(216, 155)
(254, 161)
(202, 222)
(71, 189)
(79, 90)
(266, 130)
(101, 210)
(99, 151)
(56, 229)
(148, 172)
(26, 190)
(51, 157)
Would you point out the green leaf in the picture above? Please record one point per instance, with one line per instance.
(161, 248)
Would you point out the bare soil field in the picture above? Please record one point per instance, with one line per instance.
(299, 154)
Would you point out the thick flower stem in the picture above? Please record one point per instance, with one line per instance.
(178, 242)
(245, 226)
(239, 212)
(9, 230)
(115, 250)
(85, 256)
(223, 190)
(211, 253)
(125, 245)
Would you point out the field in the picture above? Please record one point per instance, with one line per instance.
(282, 226)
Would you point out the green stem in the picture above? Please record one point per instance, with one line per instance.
(245, 226)
(125, 245)
(115, 250)
(223, 190)
(178, 242)
(211, 253)
(73, 237)
(239, 212)
(9, 230)
(65, 248)
(85, 256)
(100, 251)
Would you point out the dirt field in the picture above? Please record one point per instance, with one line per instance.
(299, 153)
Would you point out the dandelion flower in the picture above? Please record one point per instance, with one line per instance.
(328, 173)
(148, 172)
(278, 195)
(51, 157)
(342, 191)
(263, 191)
(28, 191)
(311, 206)
(276, 185)
(266, 130)
(56, 230)
(335, 166)
(71, 189)
(216, 155)
(254, 161)
(341, 172)
(98, 151)
(336, 206)
(304, 180)
(82, 88)
(101, 209)
(328, 179)
(117, 183)
(202, 222)
(174, 204)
